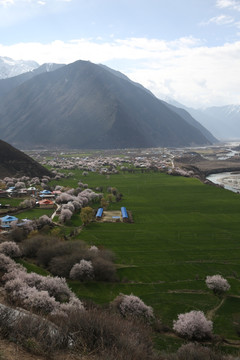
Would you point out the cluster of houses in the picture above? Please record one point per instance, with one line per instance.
(44, 199)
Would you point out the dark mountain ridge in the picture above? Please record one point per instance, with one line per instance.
(83, 105)
(14, 162)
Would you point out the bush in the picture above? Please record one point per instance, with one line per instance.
(193, 351)
(56, 287)
(193, 325)
(10, 248)
(37, 335)
(44, 220)
(86, 215)
(39, 293)
(65, 215)
(217, 284)
(104, 270)
(17, 234)
(33, 245)
(82, 271)
(6, 263)
(131, 305)
(108, 335)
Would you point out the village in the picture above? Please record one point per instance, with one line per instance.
(62, 203)
(36, 193)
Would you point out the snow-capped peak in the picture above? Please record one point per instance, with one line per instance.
(10, 67)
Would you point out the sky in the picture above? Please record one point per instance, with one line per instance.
(188, 50)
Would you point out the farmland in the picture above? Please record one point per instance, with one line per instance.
(183, 231)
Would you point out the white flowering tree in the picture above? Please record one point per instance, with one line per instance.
(131, 305)
(82, 271)
(10, 248)
(217, 284)
(193, 325)
(65, 215)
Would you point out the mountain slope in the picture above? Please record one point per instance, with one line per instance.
(191, 120)
(83, 105)
(14, 162)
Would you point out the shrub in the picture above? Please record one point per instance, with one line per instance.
(108, 335)
(193, 351)
(104, 270)
(193, 325)
(36, 334)
(86, 215)
(56, 248)
(94, 249)
(6, 263)
(44, 220)
(39, 301)
(10, 248)
(39, 293)
(217, 284)
(56, 287)
(27, 203)
(82, 271)
(33, 245)
(62, 265)
(65, 215)
(17, 234)
(131, 305)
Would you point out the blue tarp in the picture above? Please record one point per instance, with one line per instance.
(124, 212)
(99, 212)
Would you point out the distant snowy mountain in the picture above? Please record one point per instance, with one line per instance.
(10, 67)
(222, 121)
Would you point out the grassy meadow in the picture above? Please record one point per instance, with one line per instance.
(183, 231)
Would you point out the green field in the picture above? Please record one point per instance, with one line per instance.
(183, 231)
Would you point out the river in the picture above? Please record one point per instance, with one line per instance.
(229, 180)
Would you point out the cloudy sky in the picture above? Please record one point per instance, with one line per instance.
(185, 49)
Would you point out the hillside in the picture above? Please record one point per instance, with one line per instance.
(83, 105)
(14, 162)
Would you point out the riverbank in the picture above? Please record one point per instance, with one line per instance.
(203, 168)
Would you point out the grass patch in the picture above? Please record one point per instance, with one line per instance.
(33, 267)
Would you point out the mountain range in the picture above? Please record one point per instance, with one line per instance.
(222, 121)
(10, 67)
(84, 105)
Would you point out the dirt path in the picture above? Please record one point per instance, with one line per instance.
(212, 312)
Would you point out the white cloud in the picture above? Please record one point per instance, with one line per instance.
(221, 20)
(231, 4)
(186, 69)
(5, 3)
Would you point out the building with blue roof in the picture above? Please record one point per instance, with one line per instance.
(7, 220)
